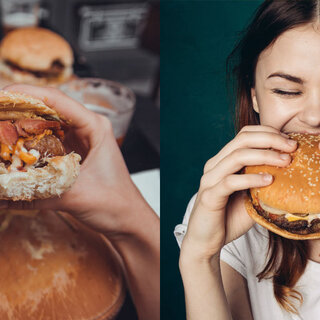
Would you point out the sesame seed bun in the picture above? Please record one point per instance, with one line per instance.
(294, 193)
(34, 50)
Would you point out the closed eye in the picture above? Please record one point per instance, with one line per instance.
(286, 93)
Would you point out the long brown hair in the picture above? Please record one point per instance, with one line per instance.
(287, 258)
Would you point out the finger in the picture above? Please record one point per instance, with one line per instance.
(253, 139)
(228, 148)
(69, 108)
(262, 128)
(265, 140)
(243, 157)
(216, 197)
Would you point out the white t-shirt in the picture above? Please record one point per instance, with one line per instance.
(247, 255)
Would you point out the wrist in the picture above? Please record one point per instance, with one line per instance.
(139, 242)
(136, 222)
(199, 251)
(197, 269)
(194, 259)
(117, 214)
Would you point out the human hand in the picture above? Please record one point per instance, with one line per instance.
(104, 193)
(219, 215)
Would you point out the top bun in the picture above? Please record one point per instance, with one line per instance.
(295, 188)
(15, 105)
(35, 49)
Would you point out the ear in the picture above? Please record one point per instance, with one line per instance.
(254, 100)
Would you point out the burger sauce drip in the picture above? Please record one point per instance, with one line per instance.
(13, 148)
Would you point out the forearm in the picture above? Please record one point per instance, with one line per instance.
(204, 293)
(140, 252)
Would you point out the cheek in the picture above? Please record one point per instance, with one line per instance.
(275, 111)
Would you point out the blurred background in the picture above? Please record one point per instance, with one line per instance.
(114, 40)
(117, 41)
(196, 115)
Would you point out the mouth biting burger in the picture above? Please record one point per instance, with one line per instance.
(290, 206)
(33, 160)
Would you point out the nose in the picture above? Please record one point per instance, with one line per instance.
(310, 113)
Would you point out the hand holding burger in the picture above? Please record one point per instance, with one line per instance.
(219, 215)
(104, 196)
(104, 181)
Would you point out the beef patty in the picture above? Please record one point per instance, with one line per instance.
(48, 146)
(298, 226)
(55, 70)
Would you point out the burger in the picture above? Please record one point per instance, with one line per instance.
(35, 56)
(290, 206)
(52, 267)
(33, 160)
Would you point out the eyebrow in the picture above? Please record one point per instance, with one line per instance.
(287, 77)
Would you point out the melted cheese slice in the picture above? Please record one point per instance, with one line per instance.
(289, 216)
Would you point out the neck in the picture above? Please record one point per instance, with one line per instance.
(314, 247)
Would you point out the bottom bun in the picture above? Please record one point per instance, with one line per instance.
(274, 228)
(40, 183)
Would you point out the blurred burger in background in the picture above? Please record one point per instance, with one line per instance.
(35, 56)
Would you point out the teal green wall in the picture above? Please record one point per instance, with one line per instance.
(196, 121)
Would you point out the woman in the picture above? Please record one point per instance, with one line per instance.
(227, 270)
(105, 198)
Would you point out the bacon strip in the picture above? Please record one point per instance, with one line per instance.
(21, 132)
(8, 133)
(35, 126)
